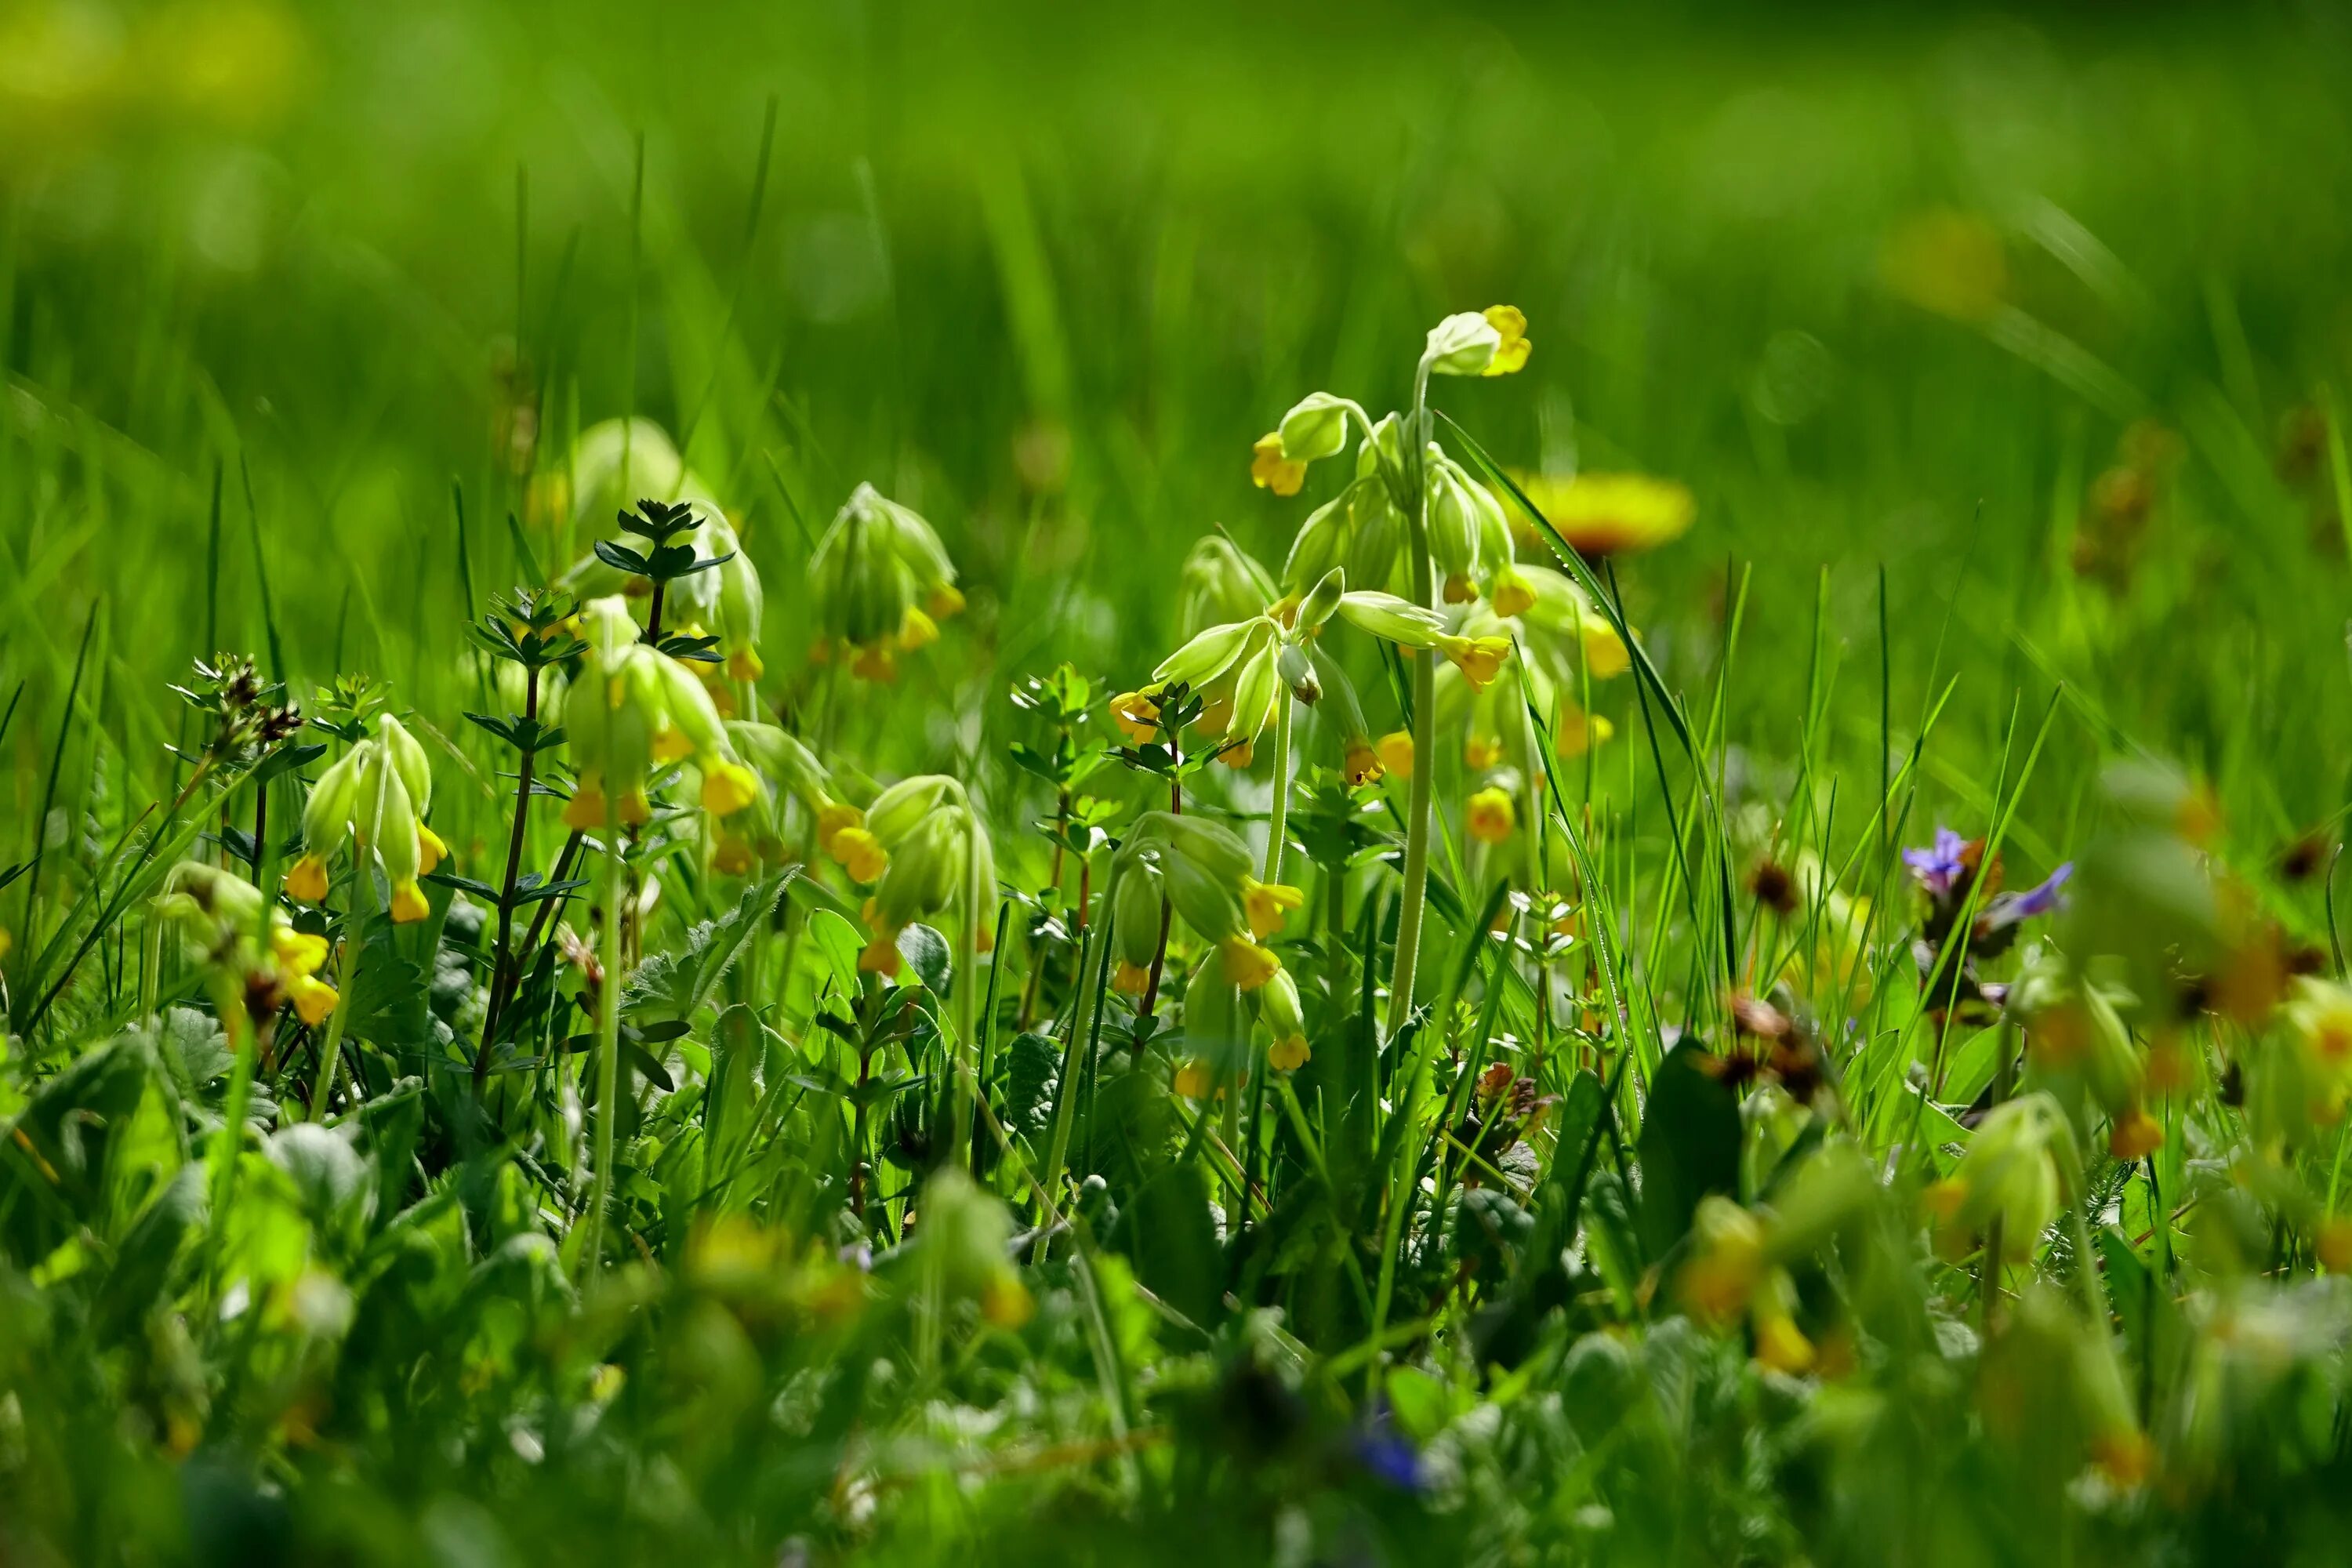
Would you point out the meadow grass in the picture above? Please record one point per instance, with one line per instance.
(1710, 1180)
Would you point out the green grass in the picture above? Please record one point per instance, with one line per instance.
(2007, 366)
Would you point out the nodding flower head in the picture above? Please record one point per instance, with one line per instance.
(1493, 342)
(1480, 659)
(1490, 817)
(633, 708)
(1270, 470)
(1938, 866)
(219, 916)
(375, 796)
(932, 846)
(883, 582)
(1221, 583)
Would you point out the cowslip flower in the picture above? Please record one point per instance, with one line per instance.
(1493, 342)
(937, 851)
(631, 708)
(1490, 817)
(217, 912)
(1270, 470)
(1395, 750)
(1277, 1008)
(1205, 873)
(1360, 762)
(1268, 905)
(792, 769)
(882, 583)
(374, 796)
(1606, 514)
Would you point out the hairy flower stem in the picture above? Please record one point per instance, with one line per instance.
(608, 1040)
(1167, 909)
(502, 960)
(1425, 727)
(347, 980)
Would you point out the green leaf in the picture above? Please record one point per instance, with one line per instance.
(926, 951)
(1689, 1146)
(1167, 1233)
(1032, 1075)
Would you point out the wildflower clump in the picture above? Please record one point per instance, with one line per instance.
(372, 798)
(634, 709)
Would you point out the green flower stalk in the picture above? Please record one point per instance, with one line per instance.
(1452, 526)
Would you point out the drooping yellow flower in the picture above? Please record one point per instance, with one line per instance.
(1268, 905)
(744, 664)
(1137, 714)
(1610, 514)
(1479, 660)
(917, 631)
(734, 856)
(944, 602)
(860, 854)
(1270, 470)
(1194, 1080)
(1239, 755)
(728, 788)
(1459, 589)
(1362, 765)
(1490, 817)
(880, 953)
(1480, 752)
(1513, 595)
(1580, 731)
(1781, 1346)
(1287, 1054)
(1511, 326)
(306, 880)
(584, 812)
(1396, 751)
(313, 998)
(671, 745)
(297, 952)
(1130, 979)
(430, 850)
(2136, 1134)
(408, 905)
(875, 663)
(1246, 963)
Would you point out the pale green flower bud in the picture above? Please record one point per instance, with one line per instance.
(1462, 344)
(407, 755)
(1320, 601)
(1135, 912)
(1258, 683)
(1277, 1007)
(1322, 543)
(1215, 1025)
(1315, 428)
(609, 630)
(327, 816)
(1377, 543)
(1454, 519)
(212, 907)
(1387, 616)
(896, 812)
(1297, 674)
(1383, 449)
(782, 759)
(741, 602)
(1214, 651)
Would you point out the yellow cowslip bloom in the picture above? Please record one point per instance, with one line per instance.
(1130, 979)
(1482, 751)
(918, 630)
(1512, 595)
(2331, 1240)
(880, 955)
(1580, 731)
(1726, 1262)
(728, 786)
(859, 853)
(944, 602)
(1396, 751)
(584, 811)
(1511, 326)
(744, 664)
(1288, 1054)
(1360, 764)
(297, 952)
(1459, 589)
(734, 856)
(671, 745)
(1490, 817)
(408, 905)
(430, 850)
(2136, 1134)
(1268, 905)
(1194, 1080)
(1246, 965)
(1239, 756)
(1781, 1346)
(1611, 514)
(1137, 714)
(1479, 660)
(875, 663)
(2123, 1456)
(306, 880)
(833, 817)
(313, 998)
(1270, 470)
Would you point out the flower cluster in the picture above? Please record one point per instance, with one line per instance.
(375, 796)
(882, 582)
(631, 708)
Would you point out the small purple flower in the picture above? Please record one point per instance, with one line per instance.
(1938, 866)
(1384, 1451)
(2041, 899)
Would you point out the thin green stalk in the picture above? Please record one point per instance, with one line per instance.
(1278, 823)
(1424, 729)
(608, 1037)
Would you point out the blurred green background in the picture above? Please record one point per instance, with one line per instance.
(1906, 289)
